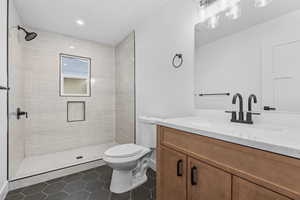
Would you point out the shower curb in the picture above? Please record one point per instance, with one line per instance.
(39, 178)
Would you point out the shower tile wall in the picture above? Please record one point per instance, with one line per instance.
(16, 97)
(125, 96)
(47, 130)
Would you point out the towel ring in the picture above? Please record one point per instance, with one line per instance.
(180, 57)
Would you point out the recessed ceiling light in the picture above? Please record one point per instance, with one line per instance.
(80, 22)
(71, 47)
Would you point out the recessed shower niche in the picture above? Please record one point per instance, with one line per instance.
(76, 111)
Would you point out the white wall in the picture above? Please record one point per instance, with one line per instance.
(162, 90)
(3, 102)
(235, 63)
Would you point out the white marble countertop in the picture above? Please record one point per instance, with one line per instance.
(272, 137)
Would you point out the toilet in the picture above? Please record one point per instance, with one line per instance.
(131, 161)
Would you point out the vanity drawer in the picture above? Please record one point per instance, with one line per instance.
(276, 172)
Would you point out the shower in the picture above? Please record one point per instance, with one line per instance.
(29, 35)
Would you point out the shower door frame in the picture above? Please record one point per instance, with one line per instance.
(7, 93)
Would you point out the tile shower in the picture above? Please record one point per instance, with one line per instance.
(34, 82)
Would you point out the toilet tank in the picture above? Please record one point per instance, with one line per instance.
(146, 132)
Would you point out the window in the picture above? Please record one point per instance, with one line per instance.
(75, 76)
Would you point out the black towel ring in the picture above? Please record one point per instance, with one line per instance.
(180, 57)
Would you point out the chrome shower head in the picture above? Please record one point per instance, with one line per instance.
(29, 35)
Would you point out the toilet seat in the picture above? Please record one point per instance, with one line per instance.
(125, 153)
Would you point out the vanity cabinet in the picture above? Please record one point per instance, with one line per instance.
(245, 190)
(195, 167)
(186, 178)
(207, 182)
(173, 166)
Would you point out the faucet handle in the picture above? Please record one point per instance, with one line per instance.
(254, 113)
(233, 115)
(229, 111)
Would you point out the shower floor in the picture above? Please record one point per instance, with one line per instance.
(43, 163)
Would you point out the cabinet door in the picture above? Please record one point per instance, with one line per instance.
(207, 183)
(244, 190)
(172, 167)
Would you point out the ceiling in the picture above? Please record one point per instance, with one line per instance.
(250, 16)
(106, 21)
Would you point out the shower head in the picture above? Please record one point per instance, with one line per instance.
(29, 35)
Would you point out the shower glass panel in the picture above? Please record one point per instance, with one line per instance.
(43, 136)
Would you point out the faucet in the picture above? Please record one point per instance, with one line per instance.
(250, 113)
(252, 96)
(241, 110)
(240, 118)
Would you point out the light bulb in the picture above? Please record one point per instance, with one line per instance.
(80, 22)
(213, 22)
(234, 12)
(201, 14)
(262, 3)
(201, 11)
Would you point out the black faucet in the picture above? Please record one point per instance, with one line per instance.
(240, 118)
(250, 113)
(241, 108)
(252, 96)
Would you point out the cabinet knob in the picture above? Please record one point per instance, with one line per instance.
(194, 176)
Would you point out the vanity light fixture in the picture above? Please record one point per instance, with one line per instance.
(234, 12)
(262, 3)
(213, 21)
(209, 11)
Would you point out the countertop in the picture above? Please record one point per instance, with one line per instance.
(280, 139)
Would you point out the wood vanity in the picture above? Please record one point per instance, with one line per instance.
(195, 167)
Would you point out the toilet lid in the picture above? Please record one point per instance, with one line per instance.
(124, 151)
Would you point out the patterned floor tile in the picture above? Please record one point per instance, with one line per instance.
(88, 185)
(54, 188)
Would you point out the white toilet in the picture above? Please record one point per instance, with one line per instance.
(131, 161)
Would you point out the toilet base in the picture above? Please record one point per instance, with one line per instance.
(124, 181)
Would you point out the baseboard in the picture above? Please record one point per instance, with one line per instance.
(4, 190)
(24, 182)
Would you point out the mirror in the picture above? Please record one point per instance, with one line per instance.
(258, 53)
(75, 76)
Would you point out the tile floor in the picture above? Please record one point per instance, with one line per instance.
(88, 185)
